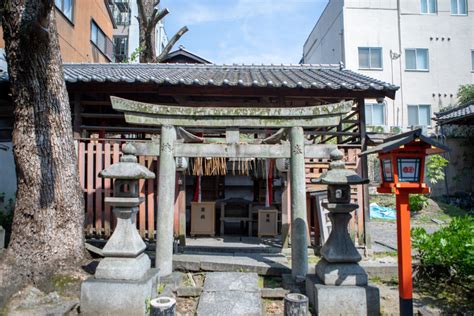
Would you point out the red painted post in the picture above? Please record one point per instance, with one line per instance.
(405, 283)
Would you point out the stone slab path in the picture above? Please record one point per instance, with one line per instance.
(230, 293)
(264, 263)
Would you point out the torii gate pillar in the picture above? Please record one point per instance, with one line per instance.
(165, 216)
(299, 225)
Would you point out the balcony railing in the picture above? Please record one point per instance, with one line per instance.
(122, 5)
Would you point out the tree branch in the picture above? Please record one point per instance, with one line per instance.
(171, 43)
(159, 16)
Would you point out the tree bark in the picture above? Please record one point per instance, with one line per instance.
(47, 232)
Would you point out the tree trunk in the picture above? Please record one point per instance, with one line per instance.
(147, 31)
(47, 232)
(148, 17)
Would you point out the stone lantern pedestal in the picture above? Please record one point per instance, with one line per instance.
(340, 286)
(123, 280)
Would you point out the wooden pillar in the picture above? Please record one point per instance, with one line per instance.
(285, 210)
(299, 225)
(77, 116)
(166, 195)
(182, 209)
(364, 171)
(404, 254)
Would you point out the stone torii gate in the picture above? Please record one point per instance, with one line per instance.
(287, 143)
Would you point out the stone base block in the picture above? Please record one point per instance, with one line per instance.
(123, 268)
(342, 300)
(341, 273)
(118, 297)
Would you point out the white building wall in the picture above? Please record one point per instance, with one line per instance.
(449, 40)
(375, 23)
(133, 30)
(325, 43)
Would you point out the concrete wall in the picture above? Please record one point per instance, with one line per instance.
(325, 43)
(375, 23)
(7, 171)
(74, 37)
(460, 177)
(450, 60)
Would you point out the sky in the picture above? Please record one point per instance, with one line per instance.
(244, 31)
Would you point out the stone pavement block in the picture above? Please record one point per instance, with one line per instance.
(229, 303)
(273, 293)
(189, 291)
(231, 281)
(264, 264)
(230, 293)
(174, 279)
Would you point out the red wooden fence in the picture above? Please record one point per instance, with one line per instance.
(94, 156)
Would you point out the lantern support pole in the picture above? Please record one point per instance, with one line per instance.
(405, 283)
(166, 198)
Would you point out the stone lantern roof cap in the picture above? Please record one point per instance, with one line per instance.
(338, 174)
(127, 168)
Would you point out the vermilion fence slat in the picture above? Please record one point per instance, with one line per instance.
(98, 188)
(90, 188)
(151, 200)
(142, 207)
(107, 208)
(82, 163)
(115, 159)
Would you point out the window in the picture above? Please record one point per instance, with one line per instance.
(416, 59)
(387, 170)
(101, 41)
(419, 115)
(408, 169)
(370, 58)
(66, 7)
(429, 7)
(459, 7)
(375, 114)
(121, 48)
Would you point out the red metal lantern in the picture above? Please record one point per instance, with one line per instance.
(402, 164)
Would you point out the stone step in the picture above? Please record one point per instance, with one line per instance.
(230, 293)
(262, 264)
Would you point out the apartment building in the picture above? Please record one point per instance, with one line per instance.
(126, 35)
(424, 46)
(85, 29)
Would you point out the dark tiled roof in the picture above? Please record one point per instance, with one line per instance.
(461, 113)
(394, 142)
(187, 54)
(288, 76)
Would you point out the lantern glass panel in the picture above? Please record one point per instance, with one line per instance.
(387, 170)
(408, 169)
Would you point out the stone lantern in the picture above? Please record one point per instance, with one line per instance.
(341, 284)
(123, 280)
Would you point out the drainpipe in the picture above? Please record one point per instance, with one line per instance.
(400, 51)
